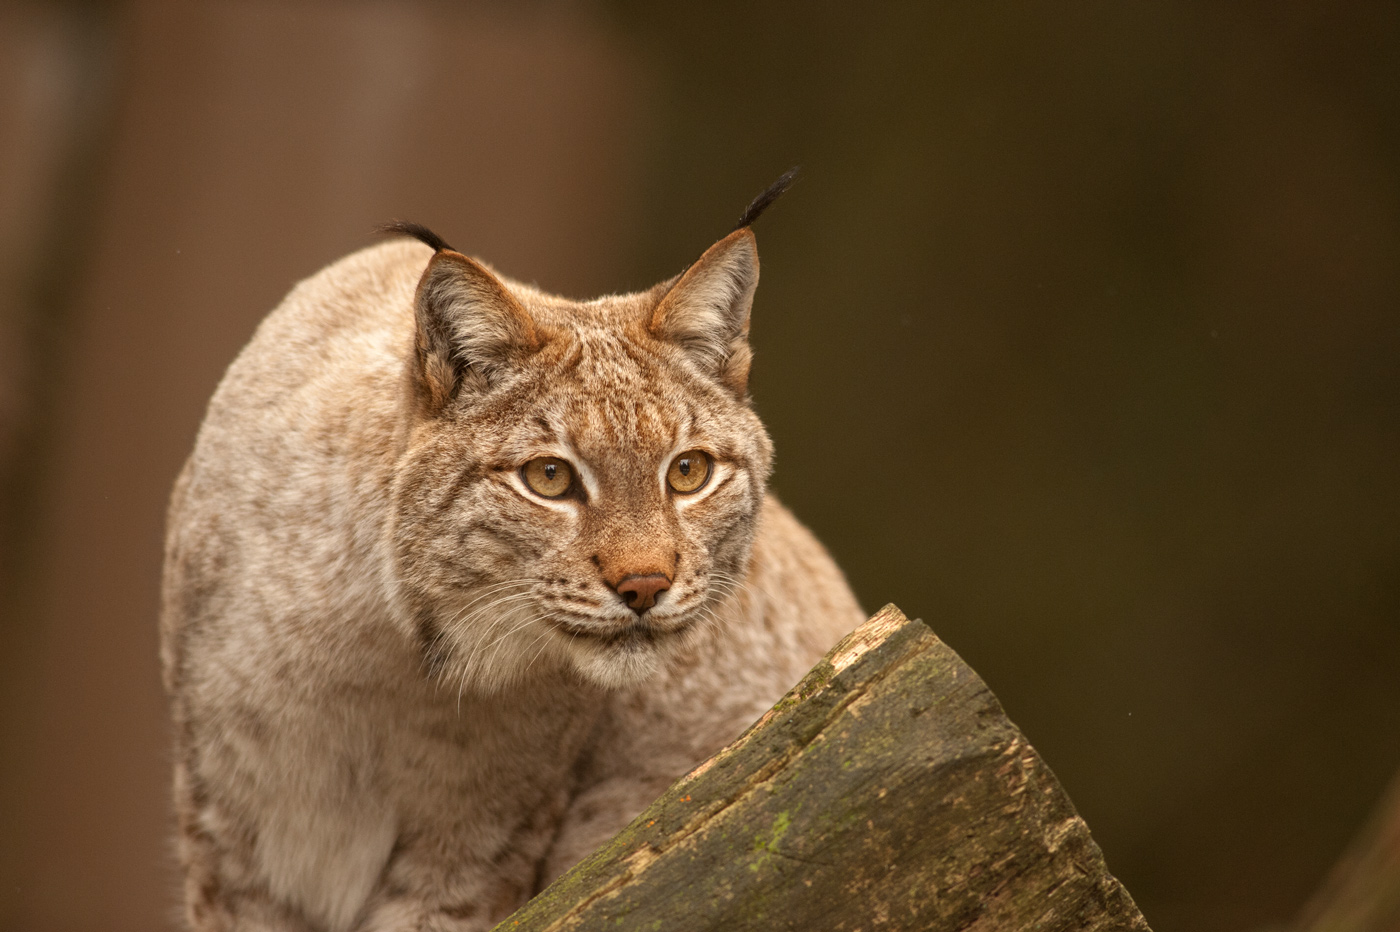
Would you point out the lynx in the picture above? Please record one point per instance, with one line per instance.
(460, 576)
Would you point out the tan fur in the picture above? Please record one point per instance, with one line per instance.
(405, 693)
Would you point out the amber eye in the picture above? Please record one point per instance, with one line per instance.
(689, 471)
(548, 476)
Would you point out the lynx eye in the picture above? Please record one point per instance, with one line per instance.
(689, 471)
(548, 476)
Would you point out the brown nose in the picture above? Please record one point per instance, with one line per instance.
(639, 592)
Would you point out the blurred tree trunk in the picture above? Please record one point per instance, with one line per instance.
(57, 108)
(888, 789)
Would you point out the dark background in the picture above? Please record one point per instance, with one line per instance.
(1079, 338)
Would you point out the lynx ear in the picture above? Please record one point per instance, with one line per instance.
(707, 310)
(470, 329)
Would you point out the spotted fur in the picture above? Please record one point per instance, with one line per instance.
(406, 691)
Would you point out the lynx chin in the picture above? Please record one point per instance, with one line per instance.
(460, 576)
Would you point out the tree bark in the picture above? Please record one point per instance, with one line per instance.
(887, 790)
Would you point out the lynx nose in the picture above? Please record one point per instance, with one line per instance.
(640, 592)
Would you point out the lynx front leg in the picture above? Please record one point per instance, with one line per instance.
(460, 876)
(648, 740)
(215, 910)
(221, 894)
(595, 816)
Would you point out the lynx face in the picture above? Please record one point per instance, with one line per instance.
(583, 480)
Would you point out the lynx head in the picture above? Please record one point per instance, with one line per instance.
(582, 479)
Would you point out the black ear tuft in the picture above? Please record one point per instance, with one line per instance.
(418, 232)
(770, 194)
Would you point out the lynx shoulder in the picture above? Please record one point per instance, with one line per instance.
(459, 576)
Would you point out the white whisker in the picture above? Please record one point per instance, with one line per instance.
(542, 640)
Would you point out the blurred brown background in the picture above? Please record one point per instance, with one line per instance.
(1079, 338)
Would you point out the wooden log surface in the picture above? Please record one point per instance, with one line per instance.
(1362, 893)
(886, 791)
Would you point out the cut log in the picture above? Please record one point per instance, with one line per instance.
(886, 791)
(1362, 893)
